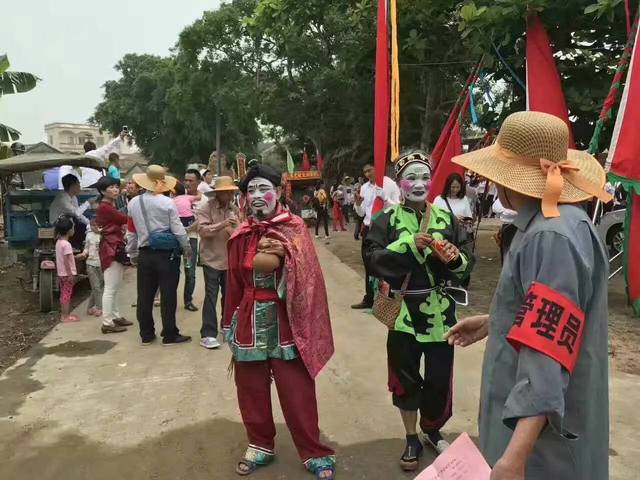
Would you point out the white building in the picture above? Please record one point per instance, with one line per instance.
(71, 137)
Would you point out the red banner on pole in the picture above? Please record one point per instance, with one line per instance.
(382, 100)
(544, 87)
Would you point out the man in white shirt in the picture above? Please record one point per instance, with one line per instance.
(158, 267)
(90, 176)
(66, 203)
(507, 229)
(390, 195)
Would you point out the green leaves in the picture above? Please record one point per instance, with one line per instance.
(603, 8)
(8, 134)
(13, 82)
(4, 64)
(17, 82)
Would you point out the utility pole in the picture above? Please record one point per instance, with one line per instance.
(218, 140)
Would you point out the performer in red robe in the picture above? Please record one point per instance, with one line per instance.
(276, 322)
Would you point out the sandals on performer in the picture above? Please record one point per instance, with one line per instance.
(325, 473)
(246, 467)
(410, 460)
(323, 468)
(253, 459)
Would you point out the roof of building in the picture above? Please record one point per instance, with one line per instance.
(71, 125)
(41, 147)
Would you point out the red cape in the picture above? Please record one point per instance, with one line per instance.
(306, 302)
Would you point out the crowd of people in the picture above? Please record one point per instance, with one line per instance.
(547, 344)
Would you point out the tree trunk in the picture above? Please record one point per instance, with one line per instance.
(425, 137)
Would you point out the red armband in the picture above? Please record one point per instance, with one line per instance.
(549, 323)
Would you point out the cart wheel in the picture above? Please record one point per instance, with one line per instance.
(46, 290)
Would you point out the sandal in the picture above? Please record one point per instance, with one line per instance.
(253, 459)
(318, 473)
(246, 467)
(410, 460)
(321, 466)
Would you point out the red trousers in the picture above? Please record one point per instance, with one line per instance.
(297, 394)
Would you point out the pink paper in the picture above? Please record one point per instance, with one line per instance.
(461, 461)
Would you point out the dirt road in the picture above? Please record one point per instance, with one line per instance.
(86, 406)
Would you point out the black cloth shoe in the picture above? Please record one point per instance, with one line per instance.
(363, 305)
(149, 340)
(175, 340)
(191, 307)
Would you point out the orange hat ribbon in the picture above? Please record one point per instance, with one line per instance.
(555, 183)
(557, 173)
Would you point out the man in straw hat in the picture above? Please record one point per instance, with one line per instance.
(154, 239)
(276, 321)
(217, 218)
(544, 400)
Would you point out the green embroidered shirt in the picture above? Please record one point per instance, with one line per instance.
(391, 253)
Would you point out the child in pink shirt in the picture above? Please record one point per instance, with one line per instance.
(184, 204)
(66, 266)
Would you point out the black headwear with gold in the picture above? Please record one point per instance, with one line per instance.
(411, 157)
(262, 171)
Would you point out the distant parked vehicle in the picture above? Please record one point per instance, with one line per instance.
(611, 230)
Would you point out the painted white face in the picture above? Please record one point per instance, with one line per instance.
(262, 197)
(415, 182)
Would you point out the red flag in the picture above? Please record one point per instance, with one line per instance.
(319, 162)
(306, 164)
(382, 100)
(624, 159)
(446, 167)
(632, 250)
(544, 88)
(624, 153)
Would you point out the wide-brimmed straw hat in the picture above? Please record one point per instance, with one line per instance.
(532, 156)
(222, 184)
(155, 179)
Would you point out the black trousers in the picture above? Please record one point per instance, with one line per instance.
(214, 282)
(346, 211)
(358, 228)
(323, 216)
(368, 288)
(190, 273)
(433, 394)
(158, 269)
(507, 232)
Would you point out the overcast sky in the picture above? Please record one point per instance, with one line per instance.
(73, 46)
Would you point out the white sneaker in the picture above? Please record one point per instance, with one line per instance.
(209, 343)
(439, 447)
(317, 236)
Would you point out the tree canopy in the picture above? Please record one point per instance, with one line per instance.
(302, 73)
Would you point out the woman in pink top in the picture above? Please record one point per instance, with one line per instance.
(66, 266)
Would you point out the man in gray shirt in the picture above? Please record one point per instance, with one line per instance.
(544, 398)
(158, 268)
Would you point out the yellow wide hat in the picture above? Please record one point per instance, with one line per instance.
(532, 156)
(155, 179)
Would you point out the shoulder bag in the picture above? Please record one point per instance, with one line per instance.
(163, 240)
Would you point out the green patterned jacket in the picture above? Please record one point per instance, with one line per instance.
(390, 252)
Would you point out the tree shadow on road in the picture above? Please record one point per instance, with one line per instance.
(207, 450)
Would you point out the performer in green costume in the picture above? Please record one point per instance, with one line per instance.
(427, 243)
